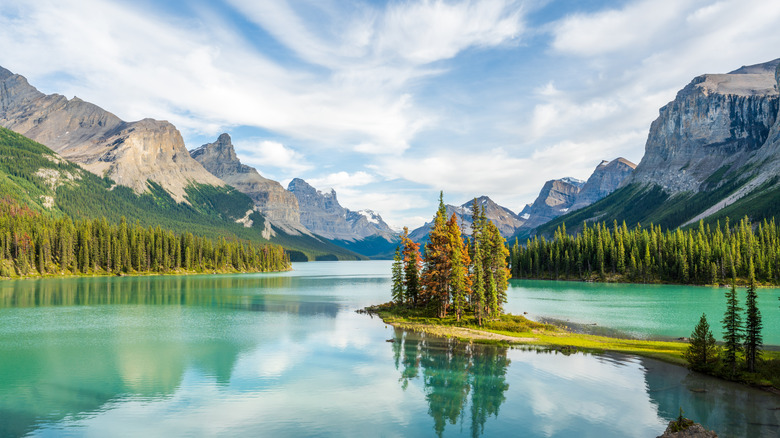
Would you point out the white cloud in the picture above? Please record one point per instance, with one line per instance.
(342, 180)
(264, 154)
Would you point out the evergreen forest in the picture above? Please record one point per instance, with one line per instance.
(700, 255)
(34, 244)
(453, 276)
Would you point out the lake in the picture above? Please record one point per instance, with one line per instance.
(285, 354)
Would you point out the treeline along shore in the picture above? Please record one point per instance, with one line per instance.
(33, 244)
(700, 255)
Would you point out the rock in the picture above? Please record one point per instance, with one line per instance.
(717, 120)
(605, 179)
(692, 430)
(278, 205)
(506, 221)
(131, 153)
(555, 199)
(322, 214)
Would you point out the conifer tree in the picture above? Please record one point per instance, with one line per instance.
(412, 263)
(732, 329)
(478, 288)
(437, 262)
(753, 325)
(702, 353)
(399, 294)
(460, 281)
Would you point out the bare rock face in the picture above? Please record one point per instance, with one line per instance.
(129, 153)
(506, 221)
(278, 205)
(322, 214)
(555, 199)
(604, 180)
(717, 120)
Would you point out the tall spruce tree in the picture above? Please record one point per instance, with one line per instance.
(412, 263)
(399, 294)
(732, 329)
(753, 325)
(460, 280)
(702, 353)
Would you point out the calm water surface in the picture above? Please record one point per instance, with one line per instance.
(286, 355)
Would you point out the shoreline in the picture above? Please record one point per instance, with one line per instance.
(135, 274)
(564, 341)
(739, 284)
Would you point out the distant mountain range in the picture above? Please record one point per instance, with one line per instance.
(713, 152)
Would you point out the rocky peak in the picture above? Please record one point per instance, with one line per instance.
(323, 215)
(605, 179)
(506, 221)
(278, 205)
(4, 74)
(131, 153)
(555, 199)
(717, 120)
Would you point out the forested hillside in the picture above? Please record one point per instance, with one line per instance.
(703, 255)
(35, 244)
(36, 177)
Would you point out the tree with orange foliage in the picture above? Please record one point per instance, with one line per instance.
(437, 262)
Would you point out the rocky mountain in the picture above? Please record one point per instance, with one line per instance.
(713, 152)
(506, 221)
(278, 205)
(717, 120)
(605, 179)
(130, 153)
(555, 199)
(361, 231)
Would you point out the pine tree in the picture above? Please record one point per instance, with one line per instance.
(753, 325)
(399, 294)
(732, 329)
(478, 288)
(460, 281)
(412, 262)
(702, 353)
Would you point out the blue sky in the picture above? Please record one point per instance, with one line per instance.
(389, 102)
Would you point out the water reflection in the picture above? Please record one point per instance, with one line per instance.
(731, 409)
(451, 371)
(262, 293)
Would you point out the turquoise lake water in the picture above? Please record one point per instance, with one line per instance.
(286, 355)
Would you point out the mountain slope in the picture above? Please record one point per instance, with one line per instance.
(271, 200)
(605, 179)
(361, 231)
(713, 152)
(506, 221)
(130, 153)
(36, 176)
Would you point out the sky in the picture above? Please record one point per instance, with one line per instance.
(390, 102)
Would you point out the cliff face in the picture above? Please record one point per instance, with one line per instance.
(555, 199)
(717, 120)
(322, 214)
(506, 221)
(605, 179)
(129, 153)
(278, 205)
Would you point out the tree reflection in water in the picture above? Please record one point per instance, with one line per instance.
(451, 370)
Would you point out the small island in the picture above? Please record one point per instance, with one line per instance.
(457, 288)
